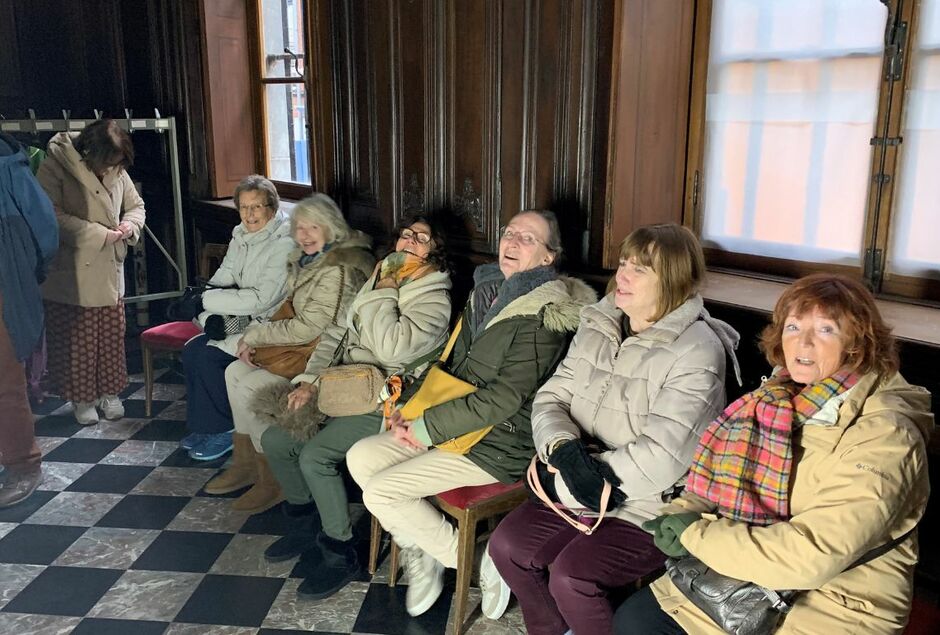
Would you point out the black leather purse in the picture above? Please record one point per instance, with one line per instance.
(740, 607)
(188, 306)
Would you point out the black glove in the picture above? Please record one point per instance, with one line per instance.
(547, 480)
(584, 476)
(215, 327)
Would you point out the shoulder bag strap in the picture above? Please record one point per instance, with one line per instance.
(877, 552)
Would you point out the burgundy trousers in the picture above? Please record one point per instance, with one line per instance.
(17, 433)
(584, 568)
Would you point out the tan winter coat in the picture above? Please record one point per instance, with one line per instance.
(86, 271)
(321, 292)
(646, 398)
(859, 481)
(388, 328)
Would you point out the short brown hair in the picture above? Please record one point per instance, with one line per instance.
(869, 344)
(103, 144)
(674, 253)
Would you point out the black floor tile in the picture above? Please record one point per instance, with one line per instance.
(134, 408)
(191, 551)
(230, 599)
(64, 591)
(383, 611)
(37, 544)
(100, 626)
(21, 511)
(48, 405)
(180, 458)
(57, 426)
(110, 479)
(280, 631)
(171, 376)
(83, 450)
(132, 387)
(162, 430)
(144, 512)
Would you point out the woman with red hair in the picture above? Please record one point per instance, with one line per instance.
(813, 483)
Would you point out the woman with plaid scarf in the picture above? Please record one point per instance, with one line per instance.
(798, 479)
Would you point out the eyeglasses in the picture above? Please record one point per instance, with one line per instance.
(422, 238)
(248, 209)
(526, 239)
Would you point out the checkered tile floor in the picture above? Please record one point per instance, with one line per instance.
(120, 539)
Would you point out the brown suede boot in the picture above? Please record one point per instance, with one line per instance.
(242, 472)
(265, 494)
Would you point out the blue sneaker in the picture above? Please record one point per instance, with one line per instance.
(212, 447)
(192, 440)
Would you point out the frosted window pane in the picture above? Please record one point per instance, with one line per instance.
(916, 228)
(791, 103)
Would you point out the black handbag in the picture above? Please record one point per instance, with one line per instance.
(740, 607)
(188, 306)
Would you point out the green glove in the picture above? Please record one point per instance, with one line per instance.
(670, 529)
(652, 526)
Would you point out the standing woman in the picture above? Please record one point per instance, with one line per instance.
(100, 214)
(643, 377)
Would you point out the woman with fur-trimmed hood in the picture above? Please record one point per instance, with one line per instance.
(324, 272)
(513, 332)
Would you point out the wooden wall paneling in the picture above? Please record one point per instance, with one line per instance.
(322, 119)
(228, 85)
(512, 173)
(649, 110)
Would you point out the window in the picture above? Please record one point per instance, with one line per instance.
(793, 165)
(283, 94)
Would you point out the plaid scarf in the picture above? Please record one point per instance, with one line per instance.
(743, 461)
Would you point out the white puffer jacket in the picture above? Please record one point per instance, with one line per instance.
(646, 398)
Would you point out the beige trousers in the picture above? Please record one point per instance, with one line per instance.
(395, 481)
(242, 382)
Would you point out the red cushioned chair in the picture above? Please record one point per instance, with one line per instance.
(468, 506)
(166, 338)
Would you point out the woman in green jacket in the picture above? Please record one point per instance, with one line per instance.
(514, 331)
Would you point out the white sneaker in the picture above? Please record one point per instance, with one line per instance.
(85, 412)
(112, 407)
(494, 589)
(425, 580)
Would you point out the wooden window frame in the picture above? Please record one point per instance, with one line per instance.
(286, 189)
(880, 209)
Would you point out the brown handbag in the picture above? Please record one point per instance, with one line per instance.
(286, 361)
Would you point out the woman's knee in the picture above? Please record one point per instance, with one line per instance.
(278, 445)
(193, 351)
(504, 544)
(316, 460)
(358, 463)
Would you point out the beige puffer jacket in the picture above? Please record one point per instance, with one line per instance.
(646, 398)
(87, 272)
(320, 293)
(860, 480)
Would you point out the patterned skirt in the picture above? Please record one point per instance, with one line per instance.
(86, 350)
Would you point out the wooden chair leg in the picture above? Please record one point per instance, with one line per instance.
(148, 378)
(466, 546)
(393, 561)
(375, 541)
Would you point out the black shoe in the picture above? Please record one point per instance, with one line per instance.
(339, 567)
(301, 538)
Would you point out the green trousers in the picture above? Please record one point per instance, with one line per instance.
(309, 470)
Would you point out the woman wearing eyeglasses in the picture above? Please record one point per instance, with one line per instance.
(514, 330)
(398, 317)
(251, 283)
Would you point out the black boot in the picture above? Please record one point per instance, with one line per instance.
(340, 566)
(300, 538)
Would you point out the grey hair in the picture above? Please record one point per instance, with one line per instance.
(554, 229)
(321, 210)
(257, 183)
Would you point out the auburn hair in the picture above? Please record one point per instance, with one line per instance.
(103, 144)
(674, 253)
(868, 343)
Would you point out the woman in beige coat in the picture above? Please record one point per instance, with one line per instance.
(100, 214)
(848, 474)
(329, 265)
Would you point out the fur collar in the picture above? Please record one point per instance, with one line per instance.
(559, 302)
(352, 252)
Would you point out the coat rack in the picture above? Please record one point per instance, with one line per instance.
(160, 125)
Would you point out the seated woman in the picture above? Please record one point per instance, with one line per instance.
(253, 273)
(398, 317)
(835, 465)
(514, 331)
(329, 265)
(643, 377)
